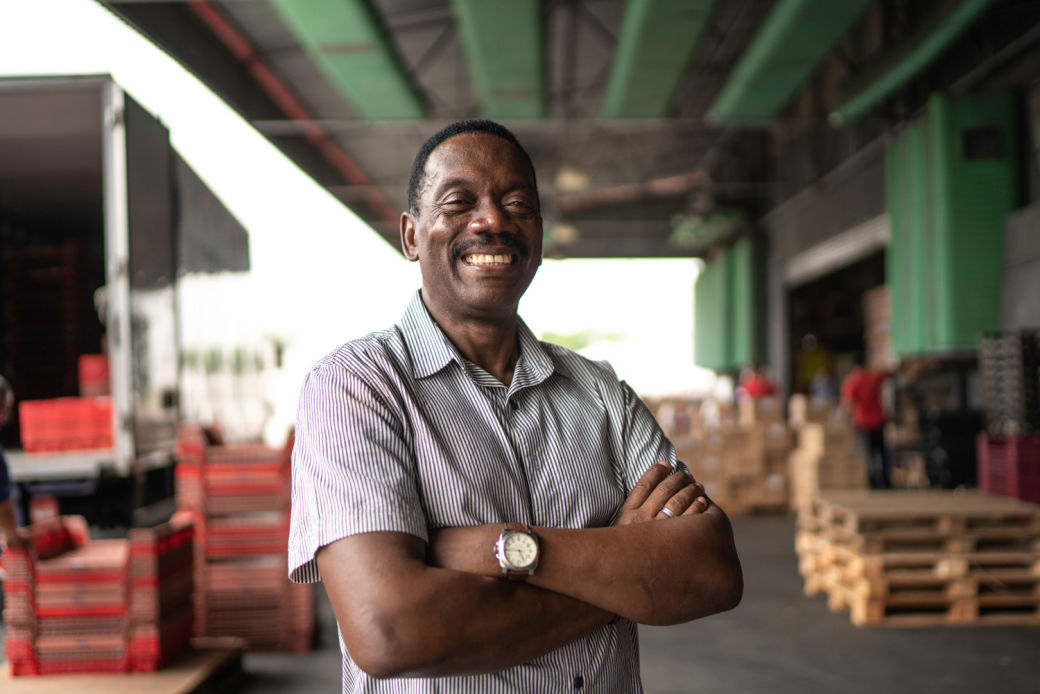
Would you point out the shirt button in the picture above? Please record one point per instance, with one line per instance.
(513, 405)
(579, 682)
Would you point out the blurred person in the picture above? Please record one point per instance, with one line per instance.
(10, 533)
(861, 396)
(757, 383)
(491, 513)
(809, 359)
(822, 386)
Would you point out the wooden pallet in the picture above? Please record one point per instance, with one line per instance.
(940, 512)
(923, 558)
(928, 609)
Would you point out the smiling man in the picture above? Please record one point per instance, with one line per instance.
(490, 513)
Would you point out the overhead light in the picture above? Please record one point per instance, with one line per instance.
(564, 234)
(571, 179)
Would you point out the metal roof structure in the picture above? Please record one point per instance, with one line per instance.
(638, 115)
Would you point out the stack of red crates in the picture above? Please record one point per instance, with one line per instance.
(75, 605)
(1010, 465)
(238, 497)
(63, 424)
(161, 587)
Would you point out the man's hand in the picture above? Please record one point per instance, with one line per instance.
(658, 489)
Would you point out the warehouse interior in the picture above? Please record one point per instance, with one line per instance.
(859, 180)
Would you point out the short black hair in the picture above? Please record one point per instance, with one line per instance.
(488, 127)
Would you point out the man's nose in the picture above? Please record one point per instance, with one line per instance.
(488, 216)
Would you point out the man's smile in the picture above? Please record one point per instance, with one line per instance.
(487, 259)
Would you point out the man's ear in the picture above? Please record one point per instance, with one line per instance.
(408, 244)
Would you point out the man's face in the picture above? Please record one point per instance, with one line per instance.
(478, 231)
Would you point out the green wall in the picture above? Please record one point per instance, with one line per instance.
(709, 318)
(951, 179)
(726, 315)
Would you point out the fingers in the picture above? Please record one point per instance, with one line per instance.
(647, 484)
(699, 505)
(668, 488)
(687, 501)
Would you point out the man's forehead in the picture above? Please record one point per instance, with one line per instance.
(474, 149)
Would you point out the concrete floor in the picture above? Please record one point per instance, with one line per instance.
(777, 641)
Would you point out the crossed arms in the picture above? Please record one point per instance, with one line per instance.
(405, 608)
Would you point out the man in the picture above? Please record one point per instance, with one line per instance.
(10, 533)
(861, 395)
(486, 511)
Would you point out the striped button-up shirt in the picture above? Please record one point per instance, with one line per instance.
(398, 432)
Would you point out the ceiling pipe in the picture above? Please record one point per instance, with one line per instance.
(283, 97)
(631, 192)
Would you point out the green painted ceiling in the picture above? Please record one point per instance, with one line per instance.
(794, 39)
(346, 42)
(657, 41)
(504, 43)
(899, 65)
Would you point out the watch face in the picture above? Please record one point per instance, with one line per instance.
(520, 550)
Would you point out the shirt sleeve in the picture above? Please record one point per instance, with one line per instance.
(352, 469)
(644, 441)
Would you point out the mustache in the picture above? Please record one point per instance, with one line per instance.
(485, 240)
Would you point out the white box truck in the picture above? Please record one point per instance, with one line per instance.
(98, 217)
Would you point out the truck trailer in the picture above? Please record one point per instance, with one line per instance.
(99, 217)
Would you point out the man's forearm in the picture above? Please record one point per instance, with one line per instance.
(422, 620)
(661, 572)
(9, 523)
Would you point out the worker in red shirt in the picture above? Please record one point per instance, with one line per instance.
(755, 383)
(861, 395)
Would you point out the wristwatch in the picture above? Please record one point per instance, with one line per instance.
(517, 551)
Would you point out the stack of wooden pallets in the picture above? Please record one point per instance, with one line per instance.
(238, 497)
(923, 558)
(741, 462)
(827, 457)
(75, 605)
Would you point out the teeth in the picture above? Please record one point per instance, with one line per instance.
(488, 259)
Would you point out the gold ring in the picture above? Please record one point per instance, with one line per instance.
(668, 512)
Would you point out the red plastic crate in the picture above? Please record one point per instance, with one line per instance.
(1010, 466)
(116, 605)
(63, 424)
(93, 375)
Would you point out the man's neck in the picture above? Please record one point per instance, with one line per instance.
(490, 344)
(492, 349)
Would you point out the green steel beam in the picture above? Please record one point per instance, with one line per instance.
(504, 44)
(793, 40)
(902, 63)
(657, 41)
(346, 41)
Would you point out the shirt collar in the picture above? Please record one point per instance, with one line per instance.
(431, 350)
(427, 344)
